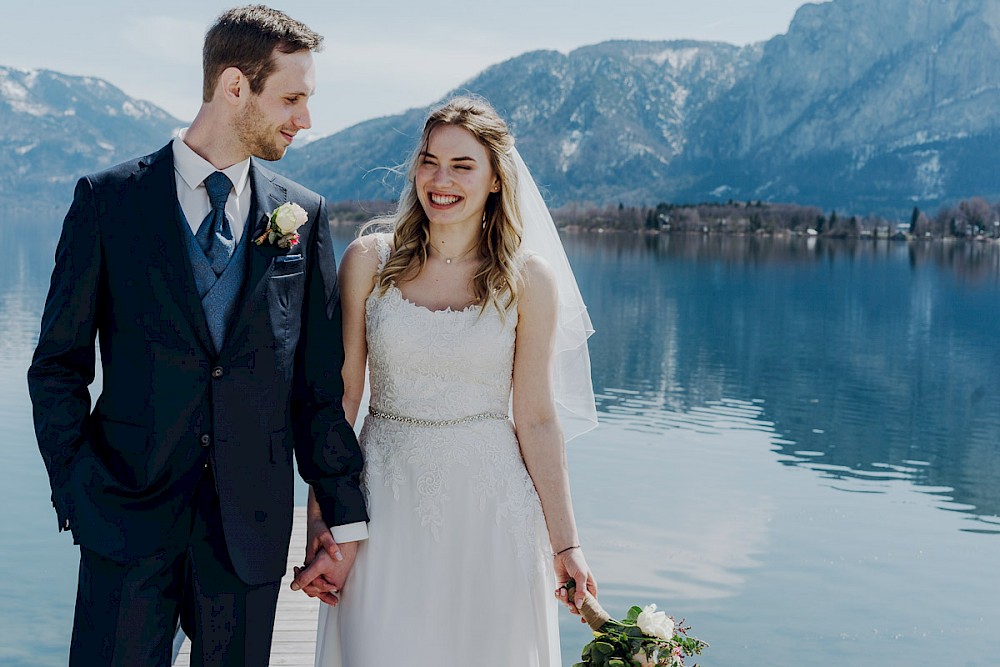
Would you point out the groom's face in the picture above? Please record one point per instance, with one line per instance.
(268, 122)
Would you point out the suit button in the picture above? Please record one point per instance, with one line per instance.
(205, 440)
(217, 372)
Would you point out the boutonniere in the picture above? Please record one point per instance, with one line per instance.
(283, 225)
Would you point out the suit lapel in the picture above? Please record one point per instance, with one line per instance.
(156, 193)
(267, 196)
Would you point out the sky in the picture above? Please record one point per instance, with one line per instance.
(381, 57)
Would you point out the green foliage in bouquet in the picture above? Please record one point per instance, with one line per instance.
(644, 638)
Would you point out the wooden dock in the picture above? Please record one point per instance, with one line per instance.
(294, 642)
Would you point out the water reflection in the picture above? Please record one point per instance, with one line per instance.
(872, 361)
(24, 276)
(34, 624)
(975, 262)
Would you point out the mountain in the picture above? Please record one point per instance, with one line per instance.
(603, 123)
(868, 106)
(55, 128)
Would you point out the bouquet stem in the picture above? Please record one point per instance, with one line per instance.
(592, 611)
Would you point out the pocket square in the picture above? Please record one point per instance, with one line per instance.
(288, 258)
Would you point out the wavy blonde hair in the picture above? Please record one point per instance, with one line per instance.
(496, 278)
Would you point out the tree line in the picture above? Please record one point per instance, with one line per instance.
(969, 218)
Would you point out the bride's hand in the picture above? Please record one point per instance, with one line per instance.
(324, 578)
(318, 537)
(571, 564)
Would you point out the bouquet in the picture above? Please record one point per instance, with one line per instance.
(644, 638)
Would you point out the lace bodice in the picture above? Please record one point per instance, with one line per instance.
(442, 364)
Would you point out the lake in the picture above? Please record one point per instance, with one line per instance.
(798, 451)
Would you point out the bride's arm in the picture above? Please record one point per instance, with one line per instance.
(357, 277)
(538, 431)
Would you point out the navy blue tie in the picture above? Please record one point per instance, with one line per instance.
(215, 236)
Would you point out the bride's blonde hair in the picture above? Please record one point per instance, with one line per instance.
(495, 280)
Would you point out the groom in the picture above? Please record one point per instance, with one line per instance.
(221, 350)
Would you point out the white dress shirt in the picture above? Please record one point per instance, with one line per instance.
(190, 172)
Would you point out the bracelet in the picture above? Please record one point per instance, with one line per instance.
(559, 553)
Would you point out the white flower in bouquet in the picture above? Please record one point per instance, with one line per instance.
(655, 623)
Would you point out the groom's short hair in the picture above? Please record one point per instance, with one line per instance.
(245, 38)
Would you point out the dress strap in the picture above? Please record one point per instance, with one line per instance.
(383, 249)
(520, 259)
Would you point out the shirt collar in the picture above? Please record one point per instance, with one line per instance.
(194, 169)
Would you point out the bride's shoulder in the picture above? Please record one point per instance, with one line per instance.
(371, 242)
(370, 247)
(365, 254)
(534, 267)
(537, 280)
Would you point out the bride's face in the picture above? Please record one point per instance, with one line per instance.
(454, 177)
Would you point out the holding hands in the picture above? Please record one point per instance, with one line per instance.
(326, 566)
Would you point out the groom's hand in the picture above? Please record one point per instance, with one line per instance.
(324, 577)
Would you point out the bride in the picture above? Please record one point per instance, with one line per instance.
(467, 308)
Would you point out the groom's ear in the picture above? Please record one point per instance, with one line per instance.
(233, 85)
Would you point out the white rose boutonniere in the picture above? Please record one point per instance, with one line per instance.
(283, 225)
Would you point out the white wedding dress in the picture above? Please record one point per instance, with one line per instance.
(457, 569)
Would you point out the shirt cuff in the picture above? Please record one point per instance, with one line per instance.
(350, 532)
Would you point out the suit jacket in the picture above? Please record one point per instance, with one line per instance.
(123, 475)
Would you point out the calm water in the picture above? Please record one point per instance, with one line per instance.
(798, 450)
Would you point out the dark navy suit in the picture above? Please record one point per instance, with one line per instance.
(183, 437)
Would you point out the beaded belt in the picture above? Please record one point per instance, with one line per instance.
(436, 422)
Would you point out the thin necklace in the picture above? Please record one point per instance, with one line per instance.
(449, 260)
